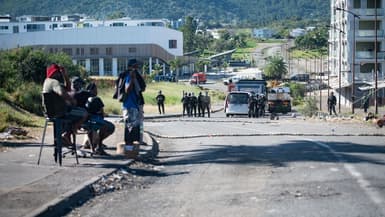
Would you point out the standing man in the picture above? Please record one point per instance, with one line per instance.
(332, 101)
(366, 104)
(194, 102)
(160, 100)
(206, 104)
(131, 109)
(185, 102)
(200, 105)
(140, 87)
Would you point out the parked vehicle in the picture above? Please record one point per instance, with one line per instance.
(255, 86)
(300, 77)
(236, 103)
(198, 78)
(279, 100)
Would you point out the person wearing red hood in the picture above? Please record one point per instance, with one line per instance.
(58, 83)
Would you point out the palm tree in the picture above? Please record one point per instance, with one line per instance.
(276, 68)
(174, 66)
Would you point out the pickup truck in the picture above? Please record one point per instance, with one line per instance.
(198, 78)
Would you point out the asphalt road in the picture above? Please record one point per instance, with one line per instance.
(239, 167)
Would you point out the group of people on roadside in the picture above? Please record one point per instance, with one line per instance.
(80, 105)
(196, 106)
(256, 104)
(85, 110)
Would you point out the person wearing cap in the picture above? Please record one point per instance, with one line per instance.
(160, 98)
(131, 106)
(58, 83)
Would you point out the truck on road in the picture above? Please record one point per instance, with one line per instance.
(279, 100)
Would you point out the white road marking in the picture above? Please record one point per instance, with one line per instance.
(364, 184)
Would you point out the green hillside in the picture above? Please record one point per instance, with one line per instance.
(236, 12)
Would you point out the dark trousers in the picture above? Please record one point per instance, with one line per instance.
(161, 108)
(194, 110)
(332, 108)
(131, 135)
(186, 109)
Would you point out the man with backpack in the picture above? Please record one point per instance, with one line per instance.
(130, 86)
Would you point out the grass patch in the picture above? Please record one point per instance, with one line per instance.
(11, 116)
(305, 54)
(172, 91)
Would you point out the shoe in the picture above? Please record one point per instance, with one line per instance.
(101, 152)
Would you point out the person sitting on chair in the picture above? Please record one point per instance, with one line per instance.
(95, 108)
(58, 84)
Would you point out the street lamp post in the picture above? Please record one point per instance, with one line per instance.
(340, 65)
(376, 61)
(353, 53)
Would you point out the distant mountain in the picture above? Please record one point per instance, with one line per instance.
(238, 12)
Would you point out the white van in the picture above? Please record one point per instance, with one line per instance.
(237, 103)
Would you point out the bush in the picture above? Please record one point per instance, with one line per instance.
(309, 107)
(297, 90)
(28, 97)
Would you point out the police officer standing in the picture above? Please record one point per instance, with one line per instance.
(185, 103)
(200, 105)
(160, 98)
(332, 101)
(194, 103)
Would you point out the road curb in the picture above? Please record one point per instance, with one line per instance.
(75, 197)
(261, 134)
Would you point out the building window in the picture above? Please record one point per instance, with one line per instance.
(122, 64)
(357, 4)
(94, 68)
(94, 51)
(132, 50)
(3, 27)
(172, 44)
(67, 25)
(118, 24)
(80, 51)
(371, 3)
(109, 51)
(67, 51)
(107, 66)
(35, 27)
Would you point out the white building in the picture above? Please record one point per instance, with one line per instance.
(263, 33)
(102, 47)
(352, 39)
(297, 32)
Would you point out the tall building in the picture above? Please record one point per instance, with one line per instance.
(356, 27)
(102, 47)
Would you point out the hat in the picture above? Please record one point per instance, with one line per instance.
(132, 62)
(52, 69)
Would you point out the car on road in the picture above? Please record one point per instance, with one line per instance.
(237, 103)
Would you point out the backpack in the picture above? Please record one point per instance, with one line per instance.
(142, 83)
(120, 92)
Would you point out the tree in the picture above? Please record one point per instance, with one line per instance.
(276, 68)
(175, 64)
(188, 30)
